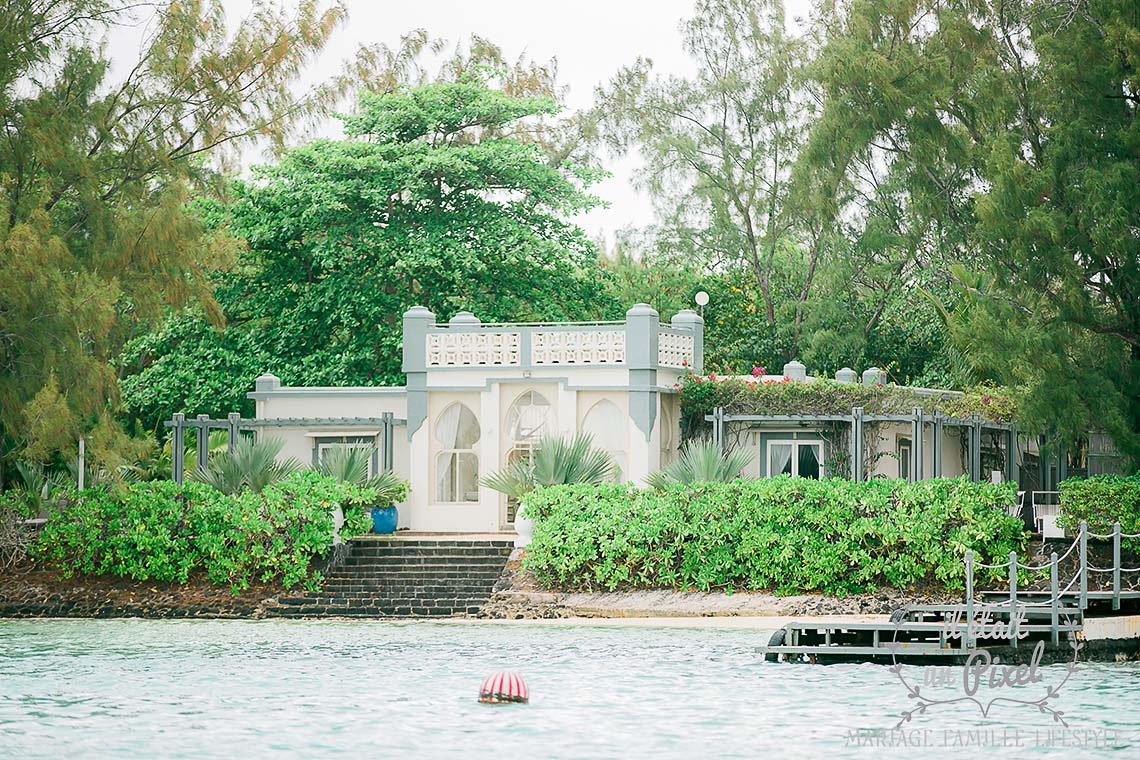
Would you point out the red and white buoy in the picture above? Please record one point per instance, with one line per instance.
(504, 687)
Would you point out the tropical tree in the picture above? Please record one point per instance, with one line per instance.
(720, 148)
(430, 200)
(98, 234)
(799, 265)
(702, 461)
(1007, 135)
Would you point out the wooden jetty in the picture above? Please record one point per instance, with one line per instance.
(1007, 624)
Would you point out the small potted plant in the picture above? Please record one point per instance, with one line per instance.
(350, 465)
(390, 490)
(557, 460)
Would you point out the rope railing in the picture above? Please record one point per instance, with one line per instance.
(1055, 590)
(1106, 536)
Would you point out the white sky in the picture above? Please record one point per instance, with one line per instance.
(591, 40)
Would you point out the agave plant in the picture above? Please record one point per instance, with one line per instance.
(39, 484)
(557, 460)
(253, 465)
(702, 462)
(349, 464)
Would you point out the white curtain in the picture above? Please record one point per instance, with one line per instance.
(779, 456)
(446, 432)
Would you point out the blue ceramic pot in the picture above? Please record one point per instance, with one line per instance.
(384, 519)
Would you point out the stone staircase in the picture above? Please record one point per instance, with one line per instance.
(404, 578)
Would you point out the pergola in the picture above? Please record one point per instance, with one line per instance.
(234, 424)
(918, 419)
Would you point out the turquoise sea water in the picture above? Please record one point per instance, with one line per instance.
(301, 689)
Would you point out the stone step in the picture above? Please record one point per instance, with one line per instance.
(418, 571)
(439, 559)
(374, 541)
(408, 590)
(444, 593)
(441, 551)
(395, 600)
(374, 612)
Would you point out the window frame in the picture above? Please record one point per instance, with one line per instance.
(441, 451)
(322, 443)
(903, 442)
(795, 443)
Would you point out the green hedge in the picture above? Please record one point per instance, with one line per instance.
(1101, 500)
(788, 534)
(165, 531)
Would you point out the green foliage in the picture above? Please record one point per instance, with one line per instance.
(737, 395)
(98, 168)
(557, 460)
(1006, 135)
(252, 466)
(789, 274)
(788, 534)
(168, 532)
(430, 200)
(701, 461)
(1102, 500)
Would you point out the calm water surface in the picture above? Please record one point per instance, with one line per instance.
(300, 689)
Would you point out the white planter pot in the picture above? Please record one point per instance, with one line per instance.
(524, 527)
(338, 523)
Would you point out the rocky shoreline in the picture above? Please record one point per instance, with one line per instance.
(519, 596)
(36, 592)
(30, 591)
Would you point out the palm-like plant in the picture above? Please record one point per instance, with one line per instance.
(39, 484)
(349, 464)
(557, 460)
(702, 462)
(253, 465)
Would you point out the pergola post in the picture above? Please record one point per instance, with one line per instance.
(387, 439)
(1011, 473)
(975, 450)
(936, 449)
(233, 430)
(917, 455)
(177, 446)
(202, 454)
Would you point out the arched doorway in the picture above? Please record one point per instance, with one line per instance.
(528, 419)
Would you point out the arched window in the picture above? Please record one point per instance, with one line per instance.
(528, 419)
(456, 463)
(607, 428)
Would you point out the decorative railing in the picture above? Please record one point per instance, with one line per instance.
(473, 349)
(577, 346)
(674, 348)
(464, 341)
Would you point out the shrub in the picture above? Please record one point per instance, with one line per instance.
(167, 531)
(1102, 500)
(16, 506)
(788, 534)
